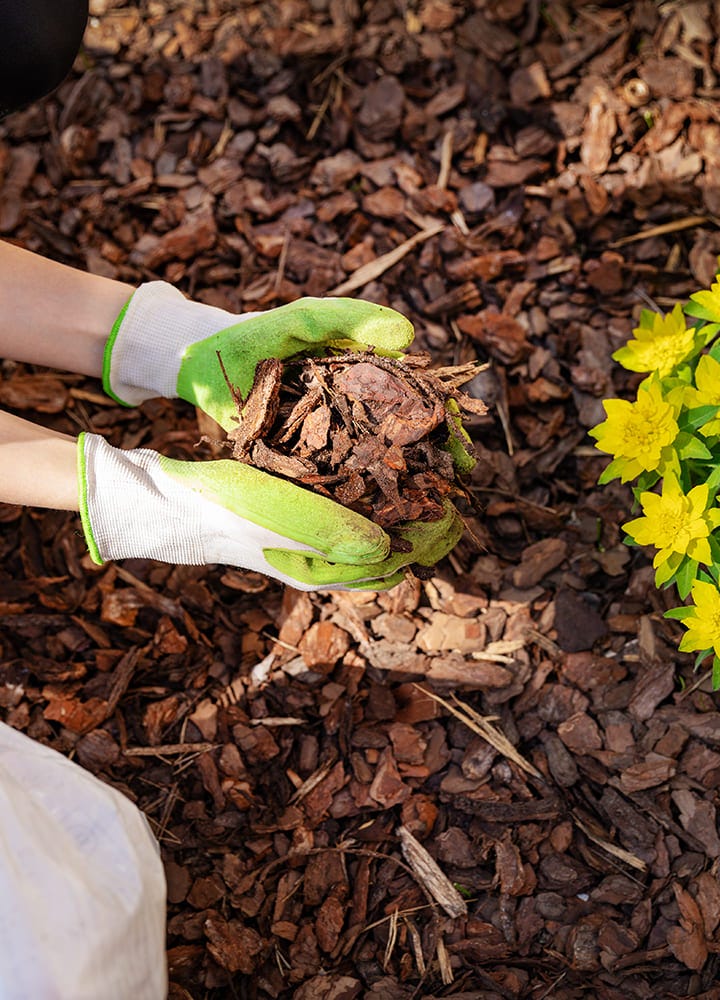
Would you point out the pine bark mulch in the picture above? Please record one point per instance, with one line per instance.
(499, 782)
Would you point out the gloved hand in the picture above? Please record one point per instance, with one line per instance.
(138, 503)
(163, 344)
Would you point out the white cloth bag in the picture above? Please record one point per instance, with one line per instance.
(82, 887)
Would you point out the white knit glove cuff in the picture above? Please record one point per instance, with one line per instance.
(145, 349)
(131, 509)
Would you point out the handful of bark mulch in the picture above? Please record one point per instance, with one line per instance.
(374, 434)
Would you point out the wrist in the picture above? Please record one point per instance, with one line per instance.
(26, 448)
(55, 315)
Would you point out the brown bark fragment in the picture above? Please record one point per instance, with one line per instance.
(580, 733)
(234, 946)
(510, 176)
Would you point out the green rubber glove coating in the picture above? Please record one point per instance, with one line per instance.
(430, 542)
(289, 510)
(305, 325)
(455, 444)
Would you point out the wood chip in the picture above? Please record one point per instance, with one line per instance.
(430, 875)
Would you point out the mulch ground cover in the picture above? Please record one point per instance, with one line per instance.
(500, 782)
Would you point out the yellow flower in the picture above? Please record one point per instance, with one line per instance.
(661, 343)
(706, 392)
(709, 301)
(703, 622)
(675, 523)
(636, 434)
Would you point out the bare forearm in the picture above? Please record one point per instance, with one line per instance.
(54, 315)
(38, 467)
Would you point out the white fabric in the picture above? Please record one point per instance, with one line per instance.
(158, 325)
(82, 887)
(136, 510)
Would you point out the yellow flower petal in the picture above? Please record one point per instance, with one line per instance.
(639, 432)
(703, 624)
(699, 550)
(675, 524)
(709, 300)
(659, 347)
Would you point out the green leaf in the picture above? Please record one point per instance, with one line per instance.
(714, 351)
(664, 576)
(612, 471)
(686, 576)
(463, 890)
(647, 318)
(665, 573)
(702, 655)
(715, 551)
(697, 417)
(688, 446)
(646, 481)
(458, 442)
(679, 614)
(704, 334)
(697, 311)
(716, 673)
(637, 492)
(713, 481)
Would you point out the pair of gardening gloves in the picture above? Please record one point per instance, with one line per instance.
(139, 503)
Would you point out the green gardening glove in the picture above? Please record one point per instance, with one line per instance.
(165, 345)
(430, 542)
(137, 503)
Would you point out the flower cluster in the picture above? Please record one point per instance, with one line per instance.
(666, 442)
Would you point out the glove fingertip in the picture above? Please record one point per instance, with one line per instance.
(352, 539)
(380, 584)
(398, 331)
(377, 546)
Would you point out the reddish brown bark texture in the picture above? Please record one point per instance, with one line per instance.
(538, 172)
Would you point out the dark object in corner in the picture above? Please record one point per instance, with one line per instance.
(39, 40)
